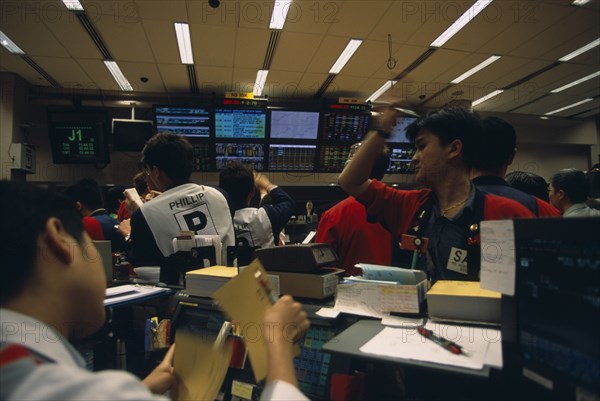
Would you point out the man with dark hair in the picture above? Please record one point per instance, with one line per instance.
(87, 196)
(53, 290)
(446, 216)
(255, 227)
(568, 191)
(346, 227)
(496, 149)
(182, 206)
(529, 183)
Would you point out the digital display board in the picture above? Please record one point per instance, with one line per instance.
(78, 143)
(288, 157)
(240, 123)
(289, 124)
(202, 159)
(345, 126)
(251, 154)
(191, 122)
(401, 159)
(332, 158)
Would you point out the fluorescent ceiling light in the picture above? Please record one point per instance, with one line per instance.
(73, 5)
(589, 99)
(118, 75)
(475, 69)
(580, 80)
(386, 86)
(261, 78)
(280, 11)
(580, 50)
(579, 3)
(9, 44)
(487, 97)
(352, 46)
(459, 24)
(182, 30)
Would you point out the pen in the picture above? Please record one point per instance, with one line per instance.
(264, 283)
(441, 341)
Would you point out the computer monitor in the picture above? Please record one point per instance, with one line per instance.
(251, 154)
(550, 328)
(240, 123)
(294, 124)
(131, 135)
(188, 121)
(291, 157)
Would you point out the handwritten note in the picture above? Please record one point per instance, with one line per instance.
(498, 256)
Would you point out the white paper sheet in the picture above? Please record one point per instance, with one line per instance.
(498, 256)
(407, 343)
(129, 292)
(328, 313)
(401, 321)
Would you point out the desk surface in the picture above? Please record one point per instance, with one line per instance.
(350, 340)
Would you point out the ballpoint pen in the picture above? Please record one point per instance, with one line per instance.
(441, 341)
(266, 286)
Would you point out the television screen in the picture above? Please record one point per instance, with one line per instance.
(78, 143)
(288, 157)
(287, 124)
(191, 122)
(252, 154)
(332, 158)
(131, 135)
(401, 159)
(345, 126)
(240, 123)
(399, 132)
(202, 159)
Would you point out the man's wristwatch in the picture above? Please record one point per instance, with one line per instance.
(384, 134)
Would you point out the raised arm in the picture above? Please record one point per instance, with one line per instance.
(354, 179)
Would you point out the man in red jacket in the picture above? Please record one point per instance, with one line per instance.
(440, 224)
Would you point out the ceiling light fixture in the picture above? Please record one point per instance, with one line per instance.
(589, 99)
(486, 97)
(385, 87)
(579, 3)
(459, 24)
(118, 75)
(580, 50)
(261, 78)
(473, 70)
(182, 30)
(580, 80)
(73, 5)
(351, 47)
(280, 11)
(9, 44)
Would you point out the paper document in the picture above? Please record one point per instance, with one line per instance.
(391, 273)
(407, 343)
(401, 321)
(130, 292)
(245, 301)
(498, 256)
(200, 366)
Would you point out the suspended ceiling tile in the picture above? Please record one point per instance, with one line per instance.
(215, 77)
(402, 58)
(282, 84)
(33, 36)
(250, 49)
(345, 85)
(175, 77)
(311, 82)
(13, 63)
(295, 51)
(152, 11)
(327, 54)
(99, 73)
(368, 59)
(163, 41)
(213, 45)
(135, 71)
(66, 71)
(356, 19)
(433, 65)
(126, 40)
(243, 79)
(227, 15)
(314, 17)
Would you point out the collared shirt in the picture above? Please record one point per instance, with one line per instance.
(581, 210)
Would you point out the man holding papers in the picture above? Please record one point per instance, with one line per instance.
(53, 290)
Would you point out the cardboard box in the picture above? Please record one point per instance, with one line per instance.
(374, 298)
(309, 285)
(463, 301)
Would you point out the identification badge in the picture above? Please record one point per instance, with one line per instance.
(457, 261)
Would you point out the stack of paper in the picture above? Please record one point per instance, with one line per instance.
(204, 282)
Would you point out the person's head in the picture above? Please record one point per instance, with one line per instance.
(114, 197)
(50, 268)
(86, 194)
(444, 142)
(167, 160)
(140, 184)
(567, 187)
(496, 147)
(237, 180)
(530, 183)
